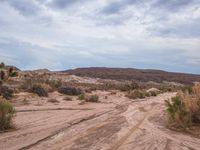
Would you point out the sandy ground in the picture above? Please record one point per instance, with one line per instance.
(116, 123)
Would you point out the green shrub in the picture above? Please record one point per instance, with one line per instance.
(12, 72)
(6, 114)
(176, 112)
(39, 90)
(69, 90)
(5, 92)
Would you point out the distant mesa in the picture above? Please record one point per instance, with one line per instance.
(143, 75)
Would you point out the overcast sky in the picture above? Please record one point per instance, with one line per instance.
(63, 34)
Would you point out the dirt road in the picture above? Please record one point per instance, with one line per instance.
(116, 123)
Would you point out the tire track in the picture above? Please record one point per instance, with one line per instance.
(63, 129)
(120, 142)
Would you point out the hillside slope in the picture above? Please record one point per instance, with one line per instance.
(143, 75)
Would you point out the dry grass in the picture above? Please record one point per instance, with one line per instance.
(183, 110)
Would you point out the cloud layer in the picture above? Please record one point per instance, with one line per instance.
(62, 34)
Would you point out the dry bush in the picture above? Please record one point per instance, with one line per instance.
(128, 86)
(2, 65)
(68, 98)
(93, 98)
(88, 98)
(5, 92)
(136, 94)
(184, 109)
(2, 75)
(82, 96)
(6, 114)
(54, 84)
(39, 90)
(53, 100)
(69, 90)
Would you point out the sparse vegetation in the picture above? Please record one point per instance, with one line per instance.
(52, 100)
(6, 92)
(136, 94)
(68, 98)
(12, 72)
(39, 90)
(2, 75)
(82, 96)
(183, 109)
(88, 98)
(93, 98)
(6, 114)
(2, 65)
(54, 84)
(69, 90)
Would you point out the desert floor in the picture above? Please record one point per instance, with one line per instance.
(115, 123)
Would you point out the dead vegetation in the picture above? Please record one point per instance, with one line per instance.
(89, 98)
(183, 111)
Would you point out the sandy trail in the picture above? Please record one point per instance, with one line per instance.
(116, 123)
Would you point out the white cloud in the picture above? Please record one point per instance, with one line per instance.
(85, 33)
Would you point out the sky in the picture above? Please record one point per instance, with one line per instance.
(65, 34)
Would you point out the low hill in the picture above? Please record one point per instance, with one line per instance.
(143, 75)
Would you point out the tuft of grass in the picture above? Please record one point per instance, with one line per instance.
(6, 115)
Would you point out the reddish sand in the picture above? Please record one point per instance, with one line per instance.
(116, 123)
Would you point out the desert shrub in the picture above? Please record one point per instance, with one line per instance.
(147, 94)
(128, 86)
(2, 75)
(69, 90)
(67, 98)
(81, 97)
(136, 94)
(12, 72)
(53, 100)
(88, 98)
(54, 83)
(2, 65)
(153, 93)
(187, 88)
(39, 90)
(176, 113)
(5, 92)
(6, 114)
(183, 110)
(93, 98)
